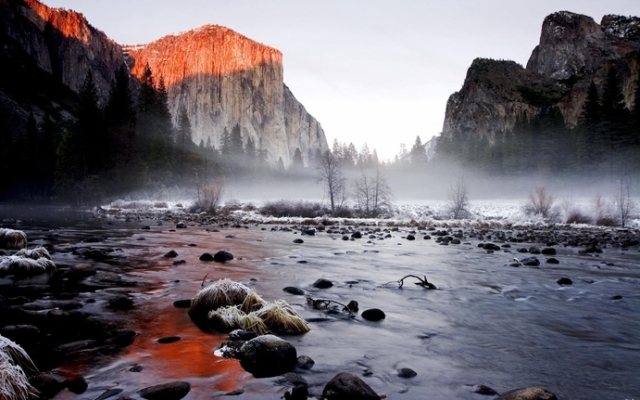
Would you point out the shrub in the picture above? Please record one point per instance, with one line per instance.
(577, 217)
(287, 208)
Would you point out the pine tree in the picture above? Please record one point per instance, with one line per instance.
(635, 114)
(119, 145)
(588, 129)
(237, 148)
(613, 113)
(297, 164)
(417, 153)
(184, 138)
(80, 153)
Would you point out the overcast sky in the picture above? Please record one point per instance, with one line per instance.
(370, 71)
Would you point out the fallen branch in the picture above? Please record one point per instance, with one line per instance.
(422, 282)
(205, 277)
(323, 304)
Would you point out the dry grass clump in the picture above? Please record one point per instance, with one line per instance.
(226, 305)
(16, 368)
(12, 239)
(35, 253)
(280, 317)
(227, 319)
(21, 266)
(252, 302)
(221, 293)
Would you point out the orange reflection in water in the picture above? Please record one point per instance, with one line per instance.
(192, 357)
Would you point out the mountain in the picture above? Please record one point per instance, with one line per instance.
(221, 77)
(573, 51)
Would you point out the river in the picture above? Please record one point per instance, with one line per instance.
(487, 323)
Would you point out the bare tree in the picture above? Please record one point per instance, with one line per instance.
(624, 204)
(458, 199)
(372, 194)
(209, 193)
(540, 203)
(602, 211)
(329, 171)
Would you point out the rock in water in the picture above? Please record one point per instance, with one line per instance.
(373, 314)
(166, 391)
(565, 281)
(322, 283)
(346, 386)
(530, 393)
(267, 356)
(222, 256)
(171, 254)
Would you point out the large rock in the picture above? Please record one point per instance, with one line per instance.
(166, 391)
(530, 393)
(346, 386)
(224, 78)
(267, 356)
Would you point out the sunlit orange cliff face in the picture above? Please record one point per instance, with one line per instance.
(223, 78)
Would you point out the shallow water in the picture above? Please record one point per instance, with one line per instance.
(488, 323)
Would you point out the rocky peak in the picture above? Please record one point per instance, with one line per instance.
(494, 93)
(624, 28)
(570, 45)
(62, 43)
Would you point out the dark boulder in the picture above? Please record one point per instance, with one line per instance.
(346, 386)
(534, 250)
(294, 290)
(267, 356)
(484, 390)
(298, 241)
(222, 256)
(48, 384)
(120, 303)
(298, 392)
(549, 251)
(373, 314)
(406, 373)
(181, 225)
(356, 235)
(122, 338)
(168, 339)
(553, 261)
(411, 237)
(565, 282)
(530, 393)
(171, 254)
(77, 385)
(530, 261)
(322, 283)
(305, 362)
(166, 391)
(206, 257)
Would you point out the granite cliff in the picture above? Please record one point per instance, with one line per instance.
(223, 78)
(220, 76)
(573, 51)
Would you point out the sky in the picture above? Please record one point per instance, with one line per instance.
(369, 71)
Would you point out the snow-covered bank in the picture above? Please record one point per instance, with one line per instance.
(482, 214)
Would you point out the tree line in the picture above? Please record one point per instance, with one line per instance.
(125, 143)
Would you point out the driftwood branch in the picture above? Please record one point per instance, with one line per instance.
(323, 304)
(203, 279)
(421, 282)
